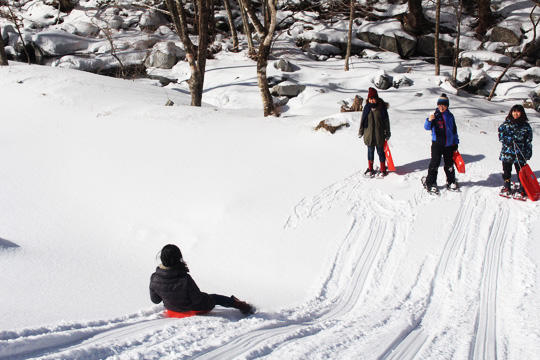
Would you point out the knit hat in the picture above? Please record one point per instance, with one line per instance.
(170, 255)
(372, 93)
(443, 100)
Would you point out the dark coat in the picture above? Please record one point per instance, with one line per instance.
(375, 124)
(519, 132)
(178, 291)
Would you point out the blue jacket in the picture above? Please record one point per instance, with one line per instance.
(443, 128)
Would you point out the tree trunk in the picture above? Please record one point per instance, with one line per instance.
(247, 29)
(234, 35)
(415, 19)
(196, 56)
(349, 37)
(458, 36)
(266, 35)
(437, 26)
(485, 17)
(3, 57)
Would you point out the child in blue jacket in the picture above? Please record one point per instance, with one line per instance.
(444, 142)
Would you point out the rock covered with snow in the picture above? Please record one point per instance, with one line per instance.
(508, 32)
(285, 65)
(164, 55)
(532, 74)
(382, 80)
(388, 35)
(288, 88)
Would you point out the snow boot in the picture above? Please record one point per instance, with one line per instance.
(243, 306)
(383, 172)
(453, 186)
(431, 188)
(520, 194)
(369, 173)
(506, 190)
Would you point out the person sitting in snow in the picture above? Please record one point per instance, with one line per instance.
(444, 142)
(516, 135)
(172, 284)
(375, 128)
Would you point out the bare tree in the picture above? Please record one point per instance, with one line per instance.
(437, 30)
(485, 17)
(247, 29)
(266, 35)
(105, 28)
(349, 35)
(234, 35)
(3, 57)
(458, 36)
(415, 20)
(11, 16)
(196, 55)
(530, 47)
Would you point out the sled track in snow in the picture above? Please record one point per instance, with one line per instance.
(368, 232)
(411, 341)
(484, 344)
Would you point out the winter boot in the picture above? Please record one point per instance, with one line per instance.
(383, 172)
(506, 190)
(453, 186)
(243, 306)
(369, 171)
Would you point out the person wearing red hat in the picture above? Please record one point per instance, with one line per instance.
(375, 128)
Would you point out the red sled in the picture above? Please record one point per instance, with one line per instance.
(529, 182)
(184, 314)
(460, 164)
(388, 155)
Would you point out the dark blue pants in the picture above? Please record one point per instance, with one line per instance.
(371, 153)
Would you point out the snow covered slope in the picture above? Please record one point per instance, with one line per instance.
(97, 175)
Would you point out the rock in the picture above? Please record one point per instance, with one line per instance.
(426, 46)
(79, 63)
(506, 33)
(164, 55)
(355, 104)
(34, 52)
(400, 45)
(164, 30)
(285, 65)
(288, 88)
(532, 74)
(152, 20)
(479, 81)
(535, 99)
(463, 76)
(169, 103)
(402, 81)
(280, 101)
(382, 80)
(319, 49)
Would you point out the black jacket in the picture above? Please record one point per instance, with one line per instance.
(175, 287)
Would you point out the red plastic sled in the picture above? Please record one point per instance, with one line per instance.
(460, 164)
(176, 314)
(388, 155)
(529, 182)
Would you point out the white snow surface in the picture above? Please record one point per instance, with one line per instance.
(97, 175)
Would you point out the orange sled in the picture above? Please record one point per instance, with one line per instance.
(460, 164)
(529, 182)
(184, 314)
(388, 155)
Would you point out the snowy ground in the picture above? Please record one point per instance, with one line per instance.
(97, 175)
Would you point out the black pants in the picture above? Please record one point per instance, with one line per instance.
(447, 153)
(225, 301)
(507, 171)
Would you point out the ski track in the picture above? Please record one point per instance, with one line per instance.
(377, 221)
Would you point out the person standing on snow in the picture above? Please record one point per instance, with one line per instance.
(516, 135)
(444, 141)
(375, 128)
(172, 284)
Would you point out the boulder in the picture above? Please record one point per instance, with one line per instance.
(82, 28)
(535, 99)
(532, 74)
(398, 44)
(382, 80)
(402, 81)
(506, 33)
(426, 46)
(151, 20)
(322, 49)
(285, 65)
(463, 76)
(79, 63)
(164, 55)
(287, 88)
